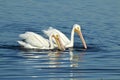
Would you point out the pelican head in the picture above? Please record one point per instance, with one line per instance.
(58, 41)
(77, 29)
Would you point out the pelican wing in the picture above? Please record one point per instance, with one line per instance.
(26, 45)
(63, 38)
(35, 39)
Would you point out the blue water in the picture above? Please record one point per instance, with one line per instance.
(100, 22)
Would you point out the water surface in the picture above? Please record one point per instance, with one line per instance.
(100, 25)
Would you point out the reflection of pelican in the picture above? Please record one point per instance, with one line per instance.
(36, 58)
(66, 42)
(35, 41)
(75, 58)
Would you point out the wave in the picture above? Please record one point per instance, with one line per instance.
(9, 47)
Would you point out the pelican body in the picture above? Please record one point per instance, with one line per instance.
(36, 41)
(65, 41)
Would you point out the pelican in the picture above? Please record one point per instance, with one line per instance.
(65, 41)
(36, 41)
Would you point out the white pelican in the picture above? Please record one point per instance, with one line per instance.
(65, 41)
(36, 41)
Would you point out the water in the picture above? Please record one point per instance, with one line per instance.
(100, 24)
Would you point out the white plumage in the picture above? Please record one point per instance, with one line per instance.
(65, 41)
(35, 41)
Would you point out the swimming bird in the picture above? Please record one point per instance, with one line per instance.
(65, 41)
(35, 41)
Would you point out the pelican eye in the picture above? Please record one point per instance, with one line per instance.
(76, 29)
(53, 35)
(57, 36)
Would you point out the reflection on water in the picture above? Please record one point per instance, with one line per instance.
(75, 58)
(53, 64)
(71, 64)
(52, 59)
